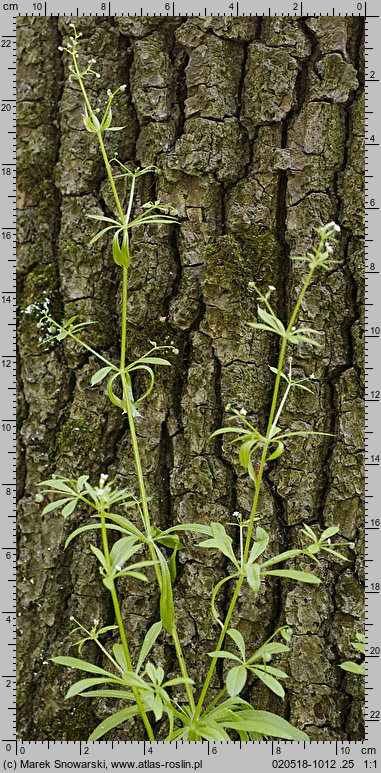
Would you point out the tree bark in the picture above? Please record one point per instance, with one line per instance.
(257, 126)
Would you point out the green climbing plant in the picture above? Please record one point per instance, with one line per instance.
(130, 545)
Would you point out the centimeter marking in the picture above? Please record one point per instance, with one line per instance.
(8, 383)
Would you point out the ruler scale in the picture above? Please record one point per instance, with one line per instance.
(206, 756)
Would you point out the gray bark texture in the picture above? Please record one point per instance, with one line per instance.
(258, 128)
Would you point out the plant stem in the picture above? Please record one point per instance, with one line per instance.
(147, 523)
(183, 668)
(127, 400)
(122, 632)
(256, 493)
(79, 341)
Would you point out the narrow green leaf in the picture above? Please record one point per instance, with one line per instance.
(57, 484)
(236, 680)
(81, 665)
(335, 553)
(83, 684)
(197, 528)
(353, 668)
(120, 252)
(359, 646)
(238, 640)
(293, 574)
(100, 375)
(278, 451)
(114, 399)
(269, 681)
(121, 551)
(105, 219)
(106, 121)
(167, 611)
(267, 724)
(178, 680)
(100, 556)
(70, 507)
(88, 527)
(119, 694)
(327, 533)
(120, 656)
(133, 680)
(253, 576)
(134, 574)
(54, 505)
(113, 721)
(259, 546)
(259, 326)
(215, 592)
(151, 384)
(148, 642)
(226, 430)
(127, 526)
(271, 670)
(168, 540)
(281, 557)
(272, 321)
(154, 361)
(212, 732)
(100, 234)
(134, 567)
(245, 452)
(223, 654)
(310, 532)
(220, 541)
(270, 648)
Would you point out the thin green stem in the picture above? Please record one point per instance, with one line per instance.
(100, 138)
(256, 492)
(122, 632)
(183, 668)
(110, 176)
(127, 401)
(124, 322)
(147, 523)
(100, 645)
(82, 343)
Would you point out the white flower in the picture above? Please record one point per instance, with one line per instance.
(333, 226)
(243, 411)
(271, 287)
(328, 247)
(96, 621)
(123, 88)
(236, 513)
(104, 476)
